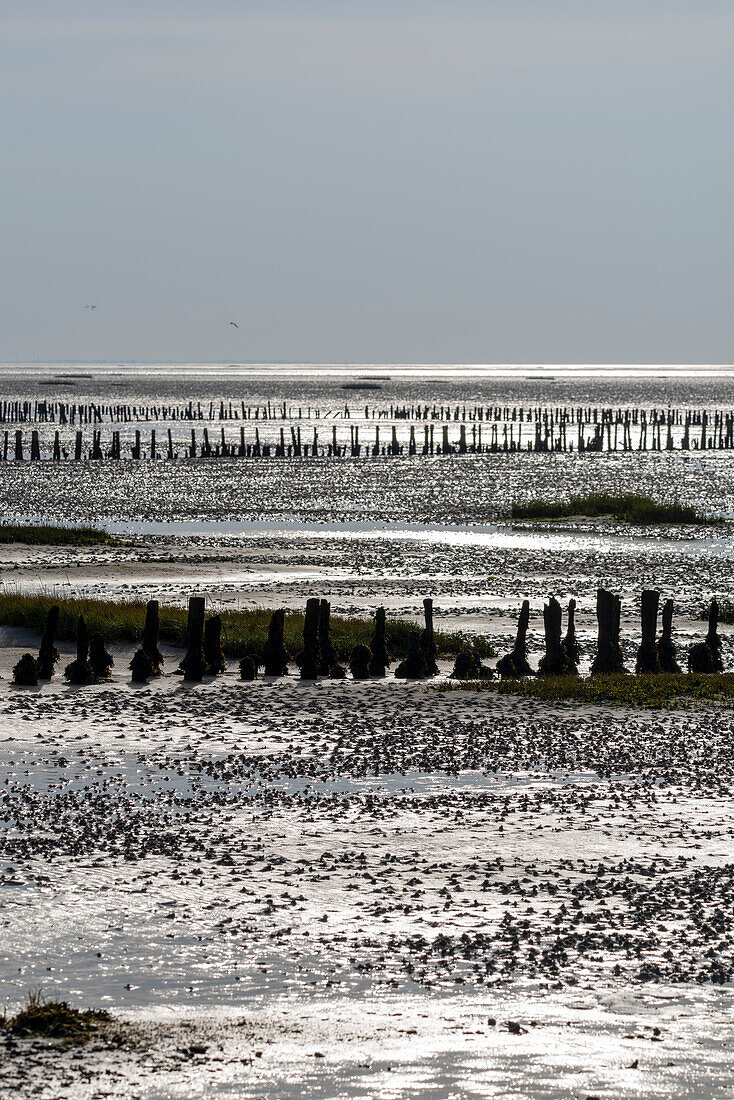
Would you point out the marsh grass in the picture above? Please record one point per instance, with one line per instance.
(662, 690)
(31, 534)
(629, 507)
(55, 1020)
(243, 632)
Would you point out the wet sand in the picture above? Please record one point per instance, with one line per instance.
(366, 889)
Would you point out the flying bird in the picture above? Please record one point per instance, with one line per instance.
(234, 323)
(90, 307)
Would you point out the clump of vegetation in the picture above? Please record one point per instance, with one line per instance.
(244, 633)
(32, 534)
(628, 507)
(663, 690)
(55, 1020)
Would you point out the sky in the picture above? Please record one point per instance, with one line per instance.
(403, 181)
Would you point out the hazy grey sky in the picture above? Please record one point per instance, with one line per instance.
(367, 181)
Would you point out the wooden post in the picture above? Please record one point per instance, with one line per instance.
(328, 664)
(555, 662)
(380, 656)
(48, 654)
(609, 657)
(427, 640)
(80, 670)
(213, 656)
(192, 665)
(705, 657)
(275, 655)
(311, 655)
(100, 660)
(515, 664)
(647, 654)
(666, 646)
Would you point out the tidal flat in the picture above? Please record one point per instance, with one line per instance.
(375, 889)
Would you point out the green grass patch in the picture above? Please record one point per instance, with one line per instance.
(242, 631)
(31, 534)
(55, 1020)
(629, 507)
(663, 690)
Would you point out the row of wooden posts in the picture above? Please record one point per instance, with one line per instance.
(204, 655)
(90, 413)
(497, 438)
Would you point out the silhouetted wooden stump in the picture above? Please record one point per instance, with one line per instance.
(150, 637)
(555, 661)
(275, 655)
(360, 662)
(328, 664)
(570, 642)
(311, 656)
(25, 672)
(515, 664)
(148, 660)
(380, 656)
(414, 665)
(214, 661)
(647, 654)
(609, 657)
(667, 649)
(427, 641)
(468, 666)
(80, 670)
(705, 657)
(193, 665)
(248, 667)
(48, 654)
(100, 660)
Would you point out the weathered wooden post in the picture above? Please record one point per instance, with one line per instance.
(214, 661)
(148, 660)
(311, 657)
(555, 661)
(48, 654)
(667, 648)
(80, 670)
(647, 654)
(328, 664)
(100, 660)
(192, 665)
(380, 657)
(705, 657)
(275, 655)
(427, 640)
(18, 446)
(35, 447)
(609, 657)
(570, 642)
(515, 664)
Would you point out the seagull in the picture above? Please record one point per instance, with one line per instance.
(234, 323)
(90, 307)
